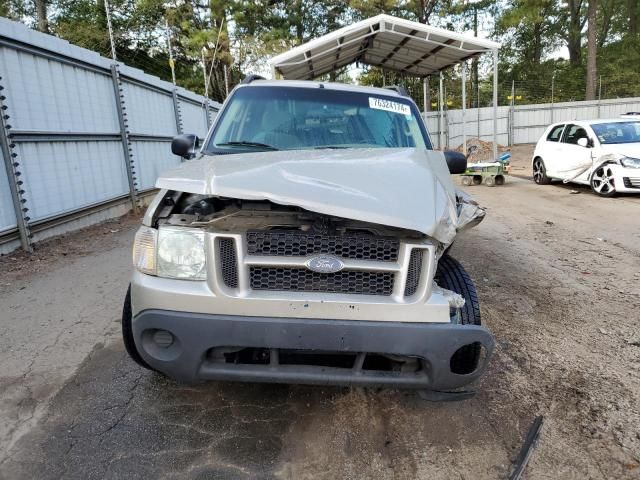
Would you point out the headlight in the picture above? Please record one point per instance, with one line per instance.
(630, 162)
(181, 253)
(144, 250)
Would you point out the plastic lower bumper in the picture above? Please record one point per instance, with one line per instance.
(187, 355)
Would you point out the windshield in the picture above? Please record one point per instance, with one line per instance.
(290, 118)
(617, 132)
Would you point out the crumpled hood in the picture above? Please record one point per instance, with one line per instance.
(629, 149)
(405, 188)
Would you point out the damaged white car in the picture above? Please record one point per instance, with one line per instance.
(306, 243)
(604, 154)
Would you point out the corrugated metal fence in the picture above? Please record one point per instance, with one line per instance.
(521, 123)
(80, 135)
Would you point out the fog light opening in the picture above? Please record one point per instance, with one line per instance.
(161, 344)
(163, 338)
(467, 358)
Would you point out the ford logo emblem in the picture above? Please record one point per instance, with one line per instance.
(325, 264)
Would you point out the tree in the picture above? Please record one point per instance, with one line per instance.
(16, 9)
(592, 50)
(41, 14)
(633, 7)
(574, 25)
(531, 28)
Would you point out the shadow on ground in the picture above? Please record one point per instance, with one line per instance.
(115, 420)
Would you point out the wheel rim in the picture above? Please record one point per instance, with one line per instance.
(602, 180)
(538, 172)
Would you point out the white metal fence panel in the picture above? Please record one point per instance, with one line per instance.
(61, 177)
(7, 215)
(149, 112)
(432, 123)
(615, 108)
(521, 123)
(152, 158)
(194, 118)
(478, 123)
(530, 123)
(54, 96)
(78, 131)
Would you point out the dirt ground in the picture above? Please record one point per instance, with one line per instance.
(559, 281)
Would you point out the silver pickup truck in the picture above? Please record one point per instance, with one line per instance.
(306, 241)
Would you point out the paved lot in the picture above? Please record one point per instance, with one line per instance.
(559, 281)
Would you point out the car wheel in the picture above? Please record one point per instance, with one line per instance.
(127, 332)
(490, 182)
(602, 181)
(499, 180)
(540, 172)
(466, 181)
(452, 276)
(477, 179)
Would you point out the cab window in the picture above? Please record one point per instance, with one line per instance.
(555, 134)
(573, 133)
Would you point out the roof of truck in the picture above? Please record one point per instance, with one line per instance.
(329, 85)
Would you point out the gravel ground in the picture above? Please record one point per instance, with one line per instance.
(558, 278)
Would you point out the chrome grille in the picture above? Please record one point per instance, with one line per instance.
(296, 244)
(228, 262)
(413, 273)
(303, 280)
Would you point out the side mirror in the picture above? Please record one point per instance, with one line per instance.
(585, 142)
(456, 161)
(185, 146)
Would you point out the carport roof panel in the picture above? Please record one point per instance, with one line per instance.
(383, 41)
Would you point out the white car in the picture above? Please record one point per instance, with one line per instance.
(604, 154)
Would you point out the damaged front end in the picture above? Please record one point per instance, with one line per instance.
(303, 267)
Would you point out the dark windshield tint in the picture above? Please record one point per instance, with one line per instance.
(289, 118)
(617, 132)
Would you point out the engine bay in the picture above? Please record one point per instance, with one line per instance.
(235, 215)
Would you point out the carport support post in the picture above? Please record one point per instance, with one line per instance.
(553, 81)
(512, 104)
(478, 105)
(464, 108)
(441, 116)
(495, 104)
(425, 96)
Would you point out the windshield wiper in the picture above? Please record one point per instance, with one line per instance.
(333, 147)
(243, 143)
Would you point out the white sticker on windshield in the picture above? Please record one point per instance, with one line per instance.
(389, 106)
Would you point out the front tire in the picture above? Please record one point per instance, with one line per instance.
(452, 276)
(602, 182)
(540, 172)
(127, 332)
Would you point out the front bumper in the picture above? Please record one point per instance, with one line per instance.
(626, 179)
(630, 182)
(196, 334)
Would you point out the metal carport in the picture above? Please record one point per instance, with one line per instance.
(394, 44)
